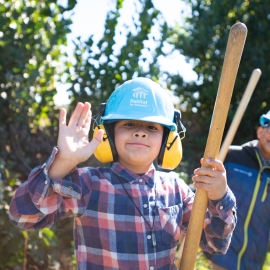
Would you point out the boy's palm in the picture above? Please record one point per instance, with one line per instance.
(73, 143)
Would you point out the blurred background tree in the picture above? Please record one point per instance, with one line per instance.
(202, 40)
(31, 64)
(32, 61)
(30, 36)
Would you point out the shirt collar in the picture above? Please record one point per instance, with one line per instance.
(132, 177)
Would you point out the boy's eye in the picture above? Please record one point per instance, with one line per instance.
(129, 125)
(152, 127)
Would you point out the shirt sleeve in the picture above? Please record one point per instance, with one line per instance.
(219, 224)
(40, 201)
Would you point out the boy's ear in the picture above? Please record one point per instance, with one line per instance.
(103, 152)
(170, 154)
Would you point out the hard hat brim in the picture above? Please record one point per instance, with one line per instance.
(264, 119)
(153, 119)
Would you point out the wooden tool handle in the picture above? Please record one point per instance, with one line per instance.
(230, 67)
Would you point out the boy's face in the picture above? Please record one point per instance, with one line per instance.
(137, 143)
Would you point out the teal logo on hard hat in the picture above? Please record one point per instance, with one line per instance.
(139, 99)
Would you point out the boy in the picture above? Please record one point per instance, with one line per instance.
(127, 215)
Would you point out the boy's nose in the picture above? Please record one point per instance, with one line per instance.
(140, 133)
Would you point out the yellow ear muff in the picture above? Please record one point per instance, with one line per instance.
(172, 152)
(103, 152)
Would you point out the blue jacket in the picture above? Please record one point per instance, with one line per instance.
(249, 181)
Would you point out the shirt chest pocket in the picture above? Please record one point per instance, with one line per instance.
(170, 218)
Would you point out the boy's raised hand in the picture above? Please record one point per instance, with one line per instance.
(73, 143)
(212, 178)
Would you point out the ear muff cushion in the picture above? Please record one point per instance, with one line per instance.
(103, 152)
(171, 150)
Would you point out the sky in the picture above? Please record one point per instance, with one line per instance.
(88, 19)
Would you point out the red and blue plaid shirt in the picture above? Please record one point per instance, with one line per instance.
(109, 231)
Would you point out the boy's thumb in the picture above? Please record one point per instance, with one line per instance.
(93, 144)
(98, 137)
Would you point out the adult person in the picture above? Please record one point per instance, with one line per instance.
(248, 175)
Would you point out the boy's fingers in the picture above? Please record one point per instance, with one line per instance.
(206, 172)
(76, 114)
(87, 122)
(201, 179)
(213, 163)
(201, 185)
(84, 114)
(62, 117)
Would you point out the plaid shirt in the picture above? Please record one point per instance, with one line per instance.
(109, 231)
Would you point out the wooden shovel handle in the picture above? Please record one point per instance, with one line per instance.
(230, 67)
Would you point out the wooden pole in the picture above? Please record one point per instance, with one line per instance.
(230, 67)
(230, 134)
(239, 113)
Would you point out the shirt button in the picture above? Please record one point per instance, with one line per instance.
(221, 207)
(46, 182)
(70, 188)
(152, 268)
(140, 180)
(149, 236)
(145, 205)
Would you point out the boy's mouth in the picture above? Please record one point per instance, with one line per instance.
(138, 144)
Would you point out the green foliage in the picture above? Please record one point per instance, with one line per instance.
(202, 263)
(266, 265)
(203, 40)
(31, 33)
(31, 61)
(98, 72)
(30, 38)
(102, 67)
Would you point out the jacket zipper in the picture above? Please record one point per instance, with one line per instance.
(250, 210)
